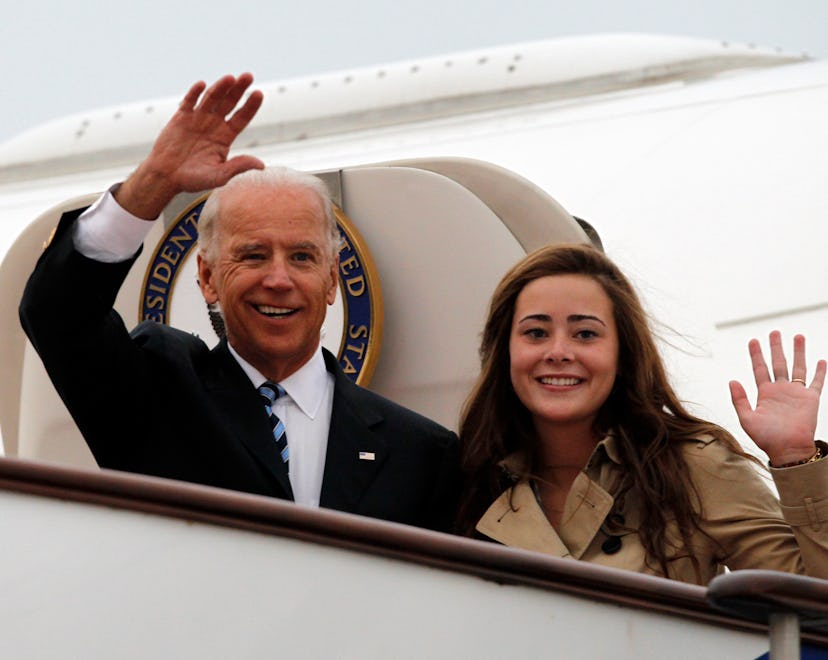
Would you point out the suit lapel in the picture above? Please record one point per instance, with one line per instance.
(355, 451)
(242, 411)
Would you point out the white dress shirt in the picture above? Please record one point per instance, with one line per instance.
(305, 410)
(106, 232)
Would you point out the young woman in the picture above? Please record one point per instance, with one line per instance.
(575, 444)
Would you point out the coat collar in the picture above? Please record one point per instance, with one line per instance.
(516, 518)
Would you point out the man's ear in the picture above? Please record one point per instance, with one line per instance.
(205, 280)
(334, 281)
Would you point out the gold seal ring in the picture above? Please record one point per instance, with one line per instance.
(798, 380)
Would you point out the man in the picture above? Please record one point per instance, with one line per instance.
(160, 402)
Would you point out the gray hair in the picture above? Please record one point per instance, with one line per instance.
(273, 177)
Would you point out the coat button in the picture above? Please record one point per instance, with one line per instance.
(611, 545)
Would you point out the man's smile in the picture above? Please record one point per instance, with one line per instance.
(275, 312)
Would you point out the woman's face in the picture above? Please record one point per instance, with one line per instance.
(563, 349)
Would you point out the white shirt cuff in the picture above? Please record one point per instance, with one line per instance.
(108, 233)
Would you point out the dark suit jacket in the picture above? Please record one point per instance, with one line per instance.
(158, 401)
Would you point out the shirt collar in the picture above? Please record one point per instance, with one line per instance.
(305, 386)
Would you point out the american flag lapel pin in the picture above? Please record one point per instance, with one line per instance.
(367, 456)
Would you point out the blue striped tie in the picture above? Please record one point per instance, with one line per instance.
(270, 392)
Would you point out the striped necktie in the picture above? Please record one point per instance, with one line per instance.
(270, 392)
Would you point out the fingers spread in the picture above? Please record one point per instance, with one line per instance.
(241, 118)
(217, 95)
(222, 97)
(234, 94)
(757, 360)
(778, 361)
(740, 401)
(799, 369)
(191, 97)
(819, 376)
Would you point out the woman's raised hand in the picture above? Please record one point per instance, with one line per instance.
(783, 424)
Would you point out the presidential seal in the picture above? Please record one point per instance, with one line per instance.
(353, 325)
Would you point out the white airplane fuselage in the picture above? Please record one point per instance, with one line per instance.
(702, 166)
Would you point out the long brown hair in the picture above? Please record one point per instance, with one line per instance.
(642, 410)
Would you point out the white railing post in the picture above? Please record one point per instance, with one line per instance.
(784, 636)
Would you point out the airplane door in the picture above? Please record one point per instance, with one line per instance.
(436, 236)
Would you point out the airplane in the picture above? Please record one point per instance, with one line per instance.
(699, 163)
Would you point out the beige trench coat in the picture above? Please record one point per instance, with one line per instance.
(744, 524)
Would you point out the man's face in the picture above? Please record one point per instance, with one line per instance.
(273, 276)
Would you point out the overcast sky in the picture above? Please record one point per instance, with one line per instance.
(65, 56)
